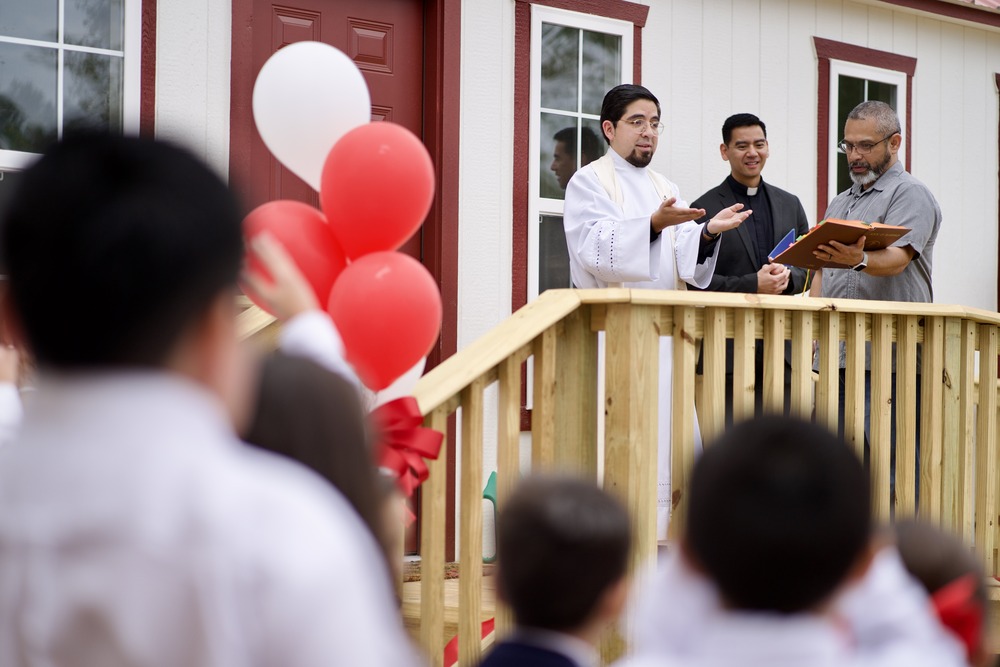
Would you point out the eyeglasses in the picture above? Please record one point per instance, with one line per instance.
(640, 124)
(864, 148)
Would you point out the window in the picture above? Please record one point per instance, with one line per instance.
(66, 64)
(575, 60)
(848, 75)
(850, 85)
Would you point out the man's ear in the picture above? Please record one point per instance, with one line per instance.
(724, 152)
(609, 129)
(895, 141)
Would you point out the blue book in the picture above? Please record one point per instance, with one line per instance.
(783, 245)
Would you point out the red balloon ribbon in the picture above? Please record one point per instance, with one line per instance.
(404, 443)
(959, 610)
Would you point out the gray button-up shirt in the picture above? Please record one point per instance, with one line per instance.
(896, 198)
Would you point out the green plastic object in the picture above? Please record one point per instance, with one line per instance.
(490, 494)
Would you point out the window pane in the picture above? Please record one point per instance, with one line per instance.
(93, 92)
(557, 160)
(29, 19)
(560, 67)
(601, 68)
(27, 97)
(883, 92)
(94, 23)
(553, 258)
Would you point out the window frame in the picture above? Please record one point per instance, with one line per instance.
(132, 65)
(896, 78)
(828, 51)
(538, 205)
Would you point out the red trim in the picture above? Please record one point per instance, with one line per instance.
(971, 13)
(827, 50)
(147, 74)
(613, 9)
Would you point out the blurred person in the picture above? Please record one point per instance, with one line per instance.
(134, 527)
(778, 567)
(562, 554)
(954, 579)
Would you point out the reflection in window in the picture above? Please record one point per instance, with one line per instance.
(34, 111)
(852, 91)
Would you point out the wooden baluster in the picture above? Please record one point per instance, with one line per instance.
(575, 426)
(712, 402)
(432, 529)
(774, 361)
(881, 414)
(932, 371)
(965, 525)
(828, 382)
(543, 418)
(744, 356)
(987, 450)
(471, 526)
(682, 415)
(802, 363)
(854, 381)
(508, 469)
(951, 418)
(907, 331)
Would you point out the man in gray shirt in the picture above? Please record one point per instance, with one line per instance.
(882, 192)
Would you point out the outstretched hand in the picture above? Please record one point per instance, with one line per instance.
(287, 293)
(668, 215)
(728, 218)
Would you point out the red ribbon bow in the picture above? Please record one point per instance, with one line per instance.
(960, 612)
(404, 443)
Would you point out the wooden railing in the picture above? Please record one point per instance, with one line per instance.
(958, 418)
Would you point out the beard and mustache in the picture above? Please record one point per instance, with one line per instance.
(874, 170)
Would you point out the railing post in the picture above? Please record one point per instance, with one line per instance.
(987, 450)
(744, 357)
(508, 444)
(774, 361)
(576, 396)
(471, 526)
(906, 415)
(854, 381)
(951, 446)
(881, 413)
(543, 409)
(712, 403)
(630, 451)
(802, 355)
(682, 415)
(967, 433)
(932, 370)
(828, 383)
(432, 530)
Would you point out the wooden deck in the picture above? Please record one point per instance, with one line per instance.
(411, 606)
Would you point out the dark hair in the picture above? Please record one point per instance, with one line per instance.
(113, 247)
(778, 513)
(936, 558)
(309, 413)
(561, 544)
(617, 100)
(740, 120)
(590, 145)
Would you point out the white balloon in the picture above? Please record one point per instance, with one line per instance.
(308, 95)
(403, 385)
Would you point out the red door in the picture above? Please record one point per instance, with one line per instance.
(384, 38)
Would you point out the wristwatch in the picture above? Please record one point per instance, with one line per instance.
(863, 264)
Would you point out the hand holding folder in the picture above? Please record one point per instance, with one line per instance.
(799, 252)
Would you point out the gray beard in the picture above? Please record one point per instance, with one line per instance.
(872, 175)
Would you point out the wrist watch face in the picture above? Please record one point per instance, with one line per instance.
(863, 264)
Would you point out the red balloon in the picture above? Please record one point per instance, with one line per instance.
(307, 237)
(387, 309)
(377, 187)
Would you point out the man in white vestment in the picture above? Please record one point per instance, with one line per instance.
(627, 226)
(135, 529)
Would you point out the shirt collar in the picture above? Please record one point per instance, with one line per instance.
(740, 189)
(574, 648)
(891, 175)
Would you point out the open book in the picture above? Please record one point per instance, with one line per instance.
(799, 252)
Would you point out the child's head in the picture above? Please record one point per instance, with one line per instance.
(778, 515)
(952, 577)
(562, 550)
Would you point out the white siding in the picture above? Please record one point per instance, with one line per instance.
(192, 76)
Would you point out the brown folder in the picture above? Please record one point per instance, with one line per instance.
(877, 236)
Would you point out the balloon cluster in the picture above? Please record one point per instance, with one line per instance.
(376, 184)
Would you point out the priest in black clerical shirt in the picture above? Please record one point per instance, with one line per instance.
(743, 264)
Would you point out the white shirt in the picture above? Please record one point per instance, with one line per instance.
(609, 244)
(135, 530)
